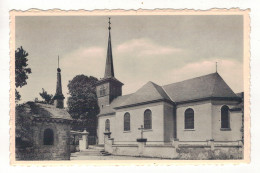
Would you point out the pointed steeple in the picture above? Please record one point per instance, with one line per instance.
(58, 98)
(108, 88)
(109, 71)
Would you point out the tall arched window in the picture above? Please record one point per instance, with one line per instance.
(107, 126)
(225, 117)
(48, 137)
(189, 119)
(147, 119)
(127, 122)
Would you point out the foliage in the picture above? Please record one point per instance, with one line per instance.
(20, 67)
(48, 98)
(17, 96)
(21, 70)
(82, 102)
(23, 124)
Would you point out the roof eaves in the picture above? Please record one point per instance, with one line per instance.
(144, 103)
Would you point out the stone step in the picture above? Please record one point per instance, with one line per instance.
(91, 153)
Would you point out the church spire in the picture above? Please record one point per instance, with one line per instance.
(109, 71)
(58, 98)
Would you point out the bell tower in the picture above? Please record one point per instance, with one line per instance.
(108, 88)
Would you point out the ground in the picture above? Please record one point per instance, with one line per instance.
(96, 154)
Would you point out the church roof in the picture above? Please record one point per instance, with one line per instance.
(149, 92)
(203, 87)
(208, 86)
(109, 109)
(40, 110)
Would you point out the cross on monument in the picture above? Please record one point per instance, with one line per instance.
(142, 131)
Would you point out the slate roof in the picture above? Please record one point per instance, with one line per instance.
(208, 86)
(149, 92)
(39, 110)
(109, 109)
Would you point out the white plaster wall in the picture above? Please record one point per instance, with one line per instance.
(168, 122)
(101, 127)
(136, 120)
(235, 124)
(202, 122)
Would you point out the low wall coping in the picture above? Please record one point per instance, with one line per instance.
(141, 140)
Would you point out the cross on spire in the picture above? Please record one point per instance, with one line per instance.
(109, 70)
(58, 61)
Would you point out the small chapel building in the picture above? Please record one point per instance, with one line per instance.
(49, 132)
(200, 109)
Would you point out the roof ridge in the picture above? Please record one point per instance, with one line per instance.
(166, 93)
(189, 79)
(214, 86)
(159, 91)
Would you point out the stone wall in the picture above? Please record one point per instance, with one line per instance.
(60, 150)
(182, 153)
(205, 153)
(210, 151)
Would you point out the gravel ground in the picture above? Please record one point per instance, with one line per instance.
(110, 158)
(93, 154)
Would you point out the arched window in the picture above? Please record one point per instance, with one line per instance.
(48, 137)
(127, 122)
(107, 125)
(225, 117)
(189, 119)
(147, 119)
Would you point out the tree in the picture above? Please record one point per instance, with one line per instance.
(82, 102)
(21, 70)
(23, 127)
(48, 98)
(17, 96)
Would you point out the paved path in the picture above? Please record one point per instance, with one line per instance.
(95, 154)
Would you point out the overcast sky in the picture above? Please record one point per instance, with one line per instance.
(162, 49)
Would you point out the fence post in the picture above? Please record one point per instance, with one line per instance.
(106, 142)
(141, 145)
(83, 143)
(212, 145)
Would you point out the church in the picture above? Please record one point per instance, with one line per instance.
(196, 110)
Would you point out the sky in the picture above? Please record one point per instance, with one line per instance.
(161, 49)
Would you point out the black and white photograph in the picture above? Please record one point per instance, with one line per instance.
(130, 87)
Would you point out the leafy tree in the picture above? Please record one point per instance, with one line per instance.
(23, 124)
(48, 98)
(17, 96)
(82, 102)
(21, 70)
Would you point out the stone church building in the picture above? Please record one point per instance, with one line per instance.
(195, 110)
(49, 132)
